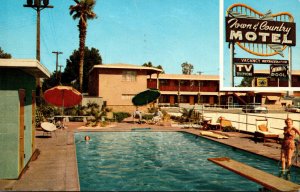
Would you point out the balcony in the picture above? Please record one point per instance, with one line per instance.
(185, 88)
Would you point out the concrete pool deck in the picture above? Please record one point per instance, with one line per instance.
(55, 169)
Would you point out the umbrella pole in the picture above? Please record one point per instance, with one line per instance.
(63, 102)
(63, 108)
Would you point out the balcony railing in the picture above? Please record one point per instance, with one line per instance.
(184, 88)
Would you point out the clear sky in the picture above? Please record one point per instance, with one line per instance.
(276, 6)
(165, 32)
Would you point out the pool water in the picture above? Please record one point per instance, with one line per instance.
(162, 161)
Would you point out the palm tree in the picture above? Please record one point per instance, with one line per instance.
(83, 10)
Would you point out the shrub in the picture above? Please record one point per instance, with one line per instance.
(92, 105)
(39, 117)
(120, 116)
(148, 116)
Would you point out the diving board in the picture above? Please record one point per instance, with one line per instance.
(267, 180)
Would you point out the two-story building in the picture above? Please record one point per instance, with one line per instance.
(118, 83)
(192, 89)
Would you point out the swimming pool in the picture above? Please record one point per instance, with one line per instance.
(161, 161)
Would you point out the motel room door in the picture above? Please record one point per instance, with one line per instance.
(21, 129)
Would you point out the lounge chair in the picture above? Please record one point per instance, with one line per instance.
(210, 123)
(213, 135)
(225, 123)
(48, 128)
(263, 132)
(156, 119)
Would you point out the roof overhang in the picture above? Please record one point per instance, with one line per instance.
(149, 70)
(30, 66)
(273, 98)
(193, 77)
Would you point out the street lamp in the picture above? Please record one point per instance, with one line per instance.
(38, 5)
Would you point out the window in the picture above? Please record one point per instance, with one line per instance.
(203, 83)
(163, 82)
(129, 76)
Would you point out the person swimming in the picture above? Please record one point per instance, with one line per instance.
(87, 138)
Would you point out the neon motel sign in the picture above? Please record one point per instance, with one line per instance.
(260, 31)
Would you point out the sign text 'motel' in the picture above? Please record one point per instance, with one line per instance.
(260, 31)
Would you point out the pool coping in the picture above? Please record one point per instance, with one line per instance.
(71, 177)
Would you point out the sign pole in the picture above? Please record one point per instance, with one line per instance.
(290, 68)
(231, 63)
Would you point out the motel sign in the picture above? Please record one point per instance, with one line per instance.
(260, 31)
(263, 35)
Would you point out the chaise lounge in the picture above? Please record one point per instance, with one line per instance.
(263, 132)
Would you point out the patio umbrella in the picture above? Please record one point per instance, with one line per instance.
(63, 96)
(145, 97)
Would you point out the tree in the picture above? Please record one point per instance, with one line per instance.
(246, 82)
(91, 57)
(160, 67)
(83, 10)
(187, 68)
(149, 64)
(4, 55)
(50, 82)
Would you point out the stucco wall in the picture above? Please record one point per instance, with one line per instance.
(98, 100)
(11, 80)
(112, 87)
(128, 108)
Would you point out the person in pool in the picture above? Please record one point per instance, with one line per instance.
(87, 138)
(288, 144)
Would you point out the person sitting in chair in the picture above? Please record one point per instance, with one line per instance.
(158, 115)
(137, 115)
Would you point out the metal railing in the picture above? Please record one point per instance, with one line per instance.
(245, 121)
(249, 121)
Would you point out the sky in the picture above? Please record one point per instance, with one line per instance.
(276, 6)
(164, 32)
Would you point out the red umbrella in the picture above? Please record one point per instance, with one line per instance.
(63, 96)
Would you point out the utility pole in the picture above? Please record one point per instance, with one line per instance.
(199, 89)
(60, 66)
(37, 5)
(57, 53)
(200, 72)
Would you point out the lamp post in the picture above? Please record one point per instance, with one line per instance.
(38, 5)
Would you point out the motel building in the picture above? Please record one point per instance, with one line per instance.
(278, 82)
(116, 85)
(190, 89)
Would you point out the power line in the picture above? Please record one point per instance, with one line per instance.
(57, 53)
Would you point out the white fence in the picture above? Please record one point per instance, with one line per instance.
(248, 121)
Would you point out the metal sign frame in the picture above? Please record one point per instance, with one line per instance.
(249, 24)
